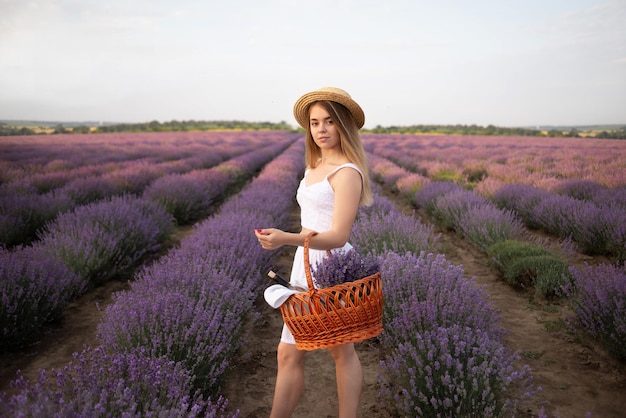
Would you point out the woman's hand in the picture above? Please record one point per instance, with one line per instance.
(270, 238)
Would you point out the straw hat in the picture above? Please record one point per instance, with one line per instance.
(333, 94)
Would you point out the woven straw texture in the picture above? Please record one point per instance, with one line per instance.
(341, 314)
(333, 94)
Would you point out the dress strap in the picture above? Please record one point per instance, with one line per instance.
(351, 165)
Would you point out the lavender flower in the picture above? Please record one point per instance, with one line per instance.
(450, 207)
(343, 267)
(101, 239)
(377, 231)
(444, 353)
(34, 289)
(427, 196)
(484, 225)
(598, 297)
(100, 384)
(453, 371)
(523, 200)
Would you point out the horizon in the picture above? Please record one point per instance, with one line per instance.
(92, 123)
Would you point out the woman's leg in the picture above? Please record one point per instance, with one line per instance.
(289, 380)
(349, 379)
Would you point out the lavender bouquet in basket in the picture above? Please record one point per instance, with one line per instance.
(342, 267)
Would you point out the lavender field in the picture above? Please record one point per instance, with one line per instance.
(77, 211)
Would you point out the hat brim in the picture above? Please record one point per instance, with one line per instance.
(301, 108)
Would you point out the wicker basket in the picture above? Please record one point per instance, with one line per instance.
(341, 314)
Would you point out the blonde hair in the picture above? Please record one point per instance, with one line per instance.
(350, 143)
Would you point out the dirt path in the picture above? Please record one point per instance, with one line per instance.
(62, 338)
(577, 376)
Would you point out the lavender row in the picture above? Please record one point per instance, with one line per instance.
(179, 325)
(470, 215)
(24, 211)
(97, 383)
(598, 229)
(78, 249)
(578, 201)
(487, 162)
(442, 347)
(189, 197)
(494, 230)
(596, 295)
(96, 242)
(25, 159)
(86, 169)
(190, 306)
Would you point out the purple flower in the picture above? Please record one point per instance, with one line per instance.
(98, 383)
(598, 297)
(343, 267)
(35, 288)
(101, 239)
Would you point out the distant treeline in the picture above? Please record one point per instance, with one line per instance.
(499, 131)
(153, 126)
(192, 125)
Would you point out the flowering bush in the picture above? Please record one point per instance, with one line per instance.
(99, 384)
(451, 206)
(444, 354)
(191, 326)
(484, 225)
(381, 228)
(581, 189)
(427, 196)
(90, 189)
(598, 296)
(190, 196)
(24, 214)
(344, 266)
(34, 289)
(597, 227)
(452, 372)
(522, 199)
(101, 239)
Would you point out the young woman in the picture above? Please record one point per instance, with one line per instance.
(335, 183)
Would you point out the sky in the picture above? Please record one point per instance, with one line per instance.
(505, 63)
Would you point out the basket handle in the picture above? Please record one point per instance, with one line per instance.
(307, 263)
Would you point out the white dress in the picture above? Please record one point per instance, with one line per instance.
(317, 204)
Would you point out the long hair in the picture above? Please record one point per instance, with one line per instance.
(350, 143)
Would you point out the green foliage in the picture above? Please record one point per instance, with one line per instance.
(475, 175)
(457, 130)
(616, 134)
(547, 273)
(505, 252)
(524, 264)
(447, 174)
(6, 130)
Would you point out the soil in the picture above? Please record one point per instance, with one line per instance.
(577, 376)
